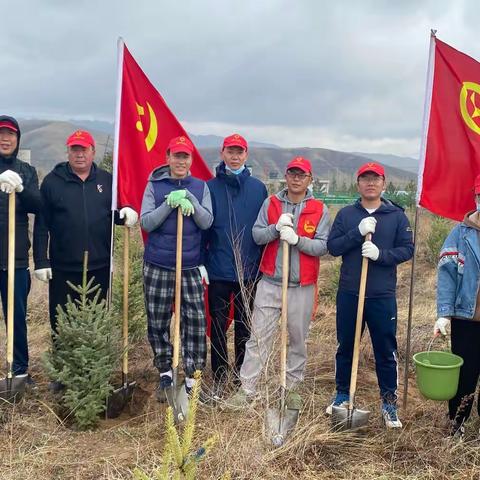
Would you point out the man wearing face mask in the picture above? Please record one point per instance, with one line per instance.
(231, 255)
(20, 177)
(458, 302)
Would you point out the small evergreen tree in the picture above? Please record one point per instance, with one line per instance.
(85, 352)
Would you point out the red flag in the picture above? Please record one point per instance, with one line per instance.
(143, 127)
(451, 145)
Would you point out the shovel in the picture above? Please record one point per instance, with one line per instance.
(122, 395)
(280, 422)
(11, 388)
(177, 397)
(350, 418)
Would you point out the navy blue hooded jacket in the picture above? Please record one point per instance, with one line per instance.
(236, 201)
(393, 237)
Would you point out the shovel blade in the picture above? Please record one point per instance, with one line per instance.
(344, 419)
(280, 424)
(118, 399)
(177, 399)
(12, 390)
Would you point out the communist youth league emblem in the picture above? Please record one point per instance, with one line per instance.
(151, 137)
(469, 99)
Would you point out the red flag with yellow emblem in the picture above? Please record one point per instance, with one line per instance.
(450, 156)
(143, 127)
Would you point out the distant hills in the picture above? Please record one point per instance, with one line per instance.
(46, 140)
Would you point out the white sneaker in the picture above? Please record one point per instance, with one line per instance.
(390, 417)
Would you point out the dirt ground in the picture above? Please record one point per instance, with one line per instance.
(36, 444)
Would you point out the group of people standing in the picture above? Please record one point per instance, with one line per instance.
(231, 244)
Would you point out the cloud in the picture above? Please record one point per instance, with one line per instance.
(350, 74)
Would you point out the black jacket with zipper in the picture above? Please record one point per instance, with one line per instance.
(27, 201)
(77, 217)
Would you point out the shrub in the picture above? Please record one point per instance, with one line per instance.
(439, 229)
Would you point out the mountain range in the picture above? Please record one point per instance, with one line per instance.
(46, 141)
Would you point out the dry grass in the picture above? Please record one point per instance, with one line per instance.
(36, 445)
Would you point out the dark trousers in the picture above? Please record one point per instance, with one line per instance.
(380, 315)
(21, 289)
(58, 289)
(466, 343)
(219, 301)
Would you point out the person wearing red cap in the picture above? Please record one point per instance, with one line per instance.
(458, 304)
(170, 187)
(231, 256)
(391, 244)
(76, 217)
(294, 216)
(20, 177)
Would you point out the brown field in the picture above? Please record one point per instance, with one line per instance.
(36, 444)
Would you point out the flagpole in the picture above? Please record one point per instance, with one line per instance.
(120, 48)
(416, 226)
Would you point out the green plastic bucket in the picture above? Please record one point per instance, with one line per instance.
(437, 374)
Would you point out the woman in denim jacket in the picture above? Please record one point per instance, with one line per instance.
(458, 300)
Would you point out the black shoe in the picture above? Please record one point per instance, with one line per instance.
(457, 431)
(55, 386)
(165, 382)
(204, 398)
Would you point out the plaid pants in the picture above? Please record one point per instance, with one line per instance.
(159, 289)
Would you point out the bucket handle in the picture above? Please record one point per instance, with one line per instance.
(446, 342)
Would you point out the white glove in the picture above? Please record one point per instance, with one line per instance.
(10, 181)
(441, 326)
(130, 216)
(285, 220)
(43, 274)
(370, 250)
(204, 274)
(288, 234)
(367, 225)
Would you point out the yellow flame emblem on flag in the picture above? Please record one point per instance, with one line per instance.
(151, 137)
(468, 106)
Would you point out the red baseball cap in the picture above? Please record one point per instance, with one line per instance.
(477, 185)
(82, 138)
(371, 167)
(10, 125)
(180, 144)
(235, 140)
(300, 163)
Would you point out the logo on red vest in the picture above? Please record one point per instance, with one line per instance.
(308, 226)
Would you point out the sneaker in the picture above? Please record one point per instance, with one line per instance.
(240, 401)
(294, 400)
(457, 431)
(56, 387)
(340, 400)
(390, 417)
(204, 398)
(165, 382)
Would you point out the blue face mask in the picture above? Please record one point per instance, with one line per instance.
(235, 172)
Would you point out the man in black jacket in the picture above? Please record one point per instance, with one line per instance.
(77, 216)
(20, 177)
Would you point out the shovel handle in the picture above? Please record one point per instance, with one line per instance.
(358, 327)
(126, 281)
(178, 290)
(284, 317)
(10, 280)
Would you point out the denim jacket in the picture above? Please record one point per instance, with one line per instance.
(459, 273)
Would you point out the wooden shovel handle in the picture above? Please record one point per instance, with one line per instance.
(178, 290)
(284, 317)
(10, 280)
(358, 326)
(126, 281)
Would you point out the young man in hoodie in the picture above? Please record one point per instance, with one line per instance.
(232, 257)
(20, 177)
(391, 244)
(296, 217)
(458, 302)
(76, 217)
(170, 187)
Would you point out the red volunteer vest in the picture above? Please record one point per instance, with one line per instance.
(307, 225)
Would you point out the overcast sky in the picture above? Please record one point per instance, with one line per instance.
(347, 75)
